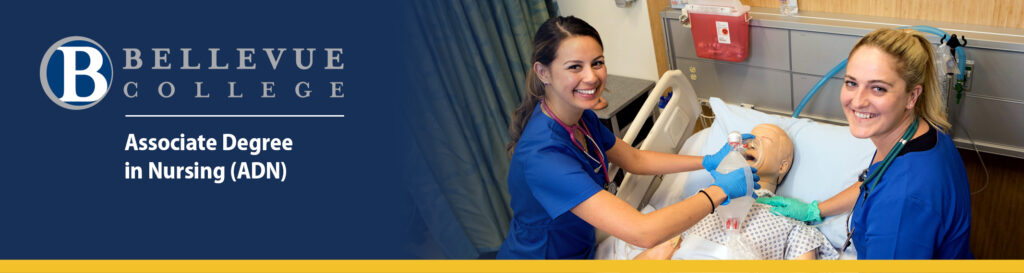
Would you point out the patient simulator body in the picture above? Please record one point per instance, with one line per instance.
(770, 236)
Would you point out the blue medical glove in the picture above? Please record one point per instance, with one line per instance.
(734, 184)
(793, 208)
(710, 162)
(753, 171)
(757, 186)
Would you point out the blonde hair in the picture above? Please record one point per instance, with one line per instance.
(916, 66)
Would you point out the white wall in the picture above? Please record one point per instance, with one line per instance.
(625, 32)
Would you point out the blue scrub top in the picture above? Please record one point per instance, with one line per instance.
(921, 208)
(548, 177)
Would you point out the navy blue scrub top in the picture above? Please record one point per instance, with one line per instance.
(921, 208)
(548, 177)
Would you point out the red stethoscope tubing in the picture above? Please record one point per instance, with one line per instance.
(586, 132)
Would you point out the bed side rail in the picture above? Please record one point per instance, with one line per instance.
(670, 130)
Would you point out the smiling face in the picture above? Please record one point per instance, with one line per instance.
(771, 152)
(575, 79)
(875, 99)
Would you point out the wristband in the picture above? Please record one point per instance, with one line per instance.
(709, 200)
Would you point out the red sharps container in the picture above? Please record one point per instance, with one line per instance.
(721, 29)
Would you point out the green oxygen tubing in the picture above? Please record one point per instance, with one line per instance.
(842, 65)
(877, 174)
(869, 182)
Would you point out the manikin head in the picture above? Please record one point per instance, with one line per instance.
(771, 153)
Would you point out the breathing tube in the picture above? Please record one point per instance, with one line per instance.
(928, 29)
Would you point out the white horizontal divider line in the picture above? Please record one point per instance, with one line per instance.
(234, 116)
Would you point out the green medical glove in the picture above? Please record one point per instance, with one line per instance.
(793, 208)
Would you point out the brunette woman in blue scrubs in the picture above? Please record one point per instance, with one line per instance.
(560, 155)
(913, 201)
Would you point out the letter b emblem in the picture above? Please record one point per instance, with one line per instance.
(76, 73)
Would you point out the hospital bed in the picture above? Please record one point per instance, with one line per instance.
(827, 159)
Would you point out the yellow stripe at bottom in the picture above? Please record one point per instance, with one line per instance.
(502, 266)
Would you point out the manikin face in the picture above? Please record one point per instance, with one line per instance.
(771, 152)
(576, 77)
(875, 98)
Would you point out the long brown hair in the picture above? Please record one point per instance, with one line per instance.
(916, 67)
(545, 48)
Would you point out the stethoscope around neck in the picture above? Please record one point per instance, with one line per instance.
(580, 125)
(870, 181)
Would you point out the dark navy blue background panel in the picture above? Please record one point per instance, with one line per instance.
(63, 187)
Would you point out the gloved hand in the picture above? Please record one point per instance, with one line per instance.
(734, 183)
(793, 208)
(710, 162)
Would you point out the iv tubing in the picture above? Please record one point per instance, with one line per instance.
(842, 65)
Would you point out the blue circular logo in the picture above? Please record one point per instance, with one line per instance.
(76, 73)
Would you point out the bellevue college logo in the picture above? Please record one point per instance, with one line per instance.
(76, 73)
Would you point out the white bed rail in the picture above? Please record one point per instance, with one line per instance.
(670, 129)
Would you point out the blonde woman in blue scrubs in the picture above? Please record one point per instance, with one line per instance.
(913, 201)
(560, 155)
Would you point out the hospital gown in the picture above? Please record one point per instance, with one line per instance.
(773, 237)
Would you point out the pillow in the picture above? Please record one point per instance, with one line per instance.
(826, 159)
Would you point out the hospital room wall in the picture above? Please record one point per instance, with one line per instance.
(625, 32)
(998, 210)
(995, 13)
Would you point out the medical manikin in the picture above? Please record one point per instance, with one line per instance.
(773, 237)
